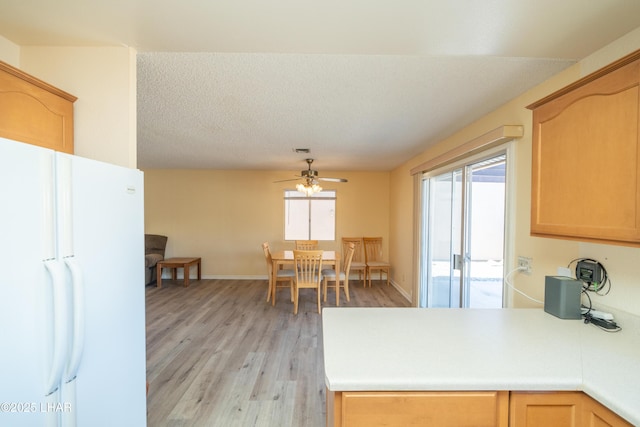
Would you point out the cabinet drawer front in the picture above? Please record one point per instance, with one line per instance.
(406, 409)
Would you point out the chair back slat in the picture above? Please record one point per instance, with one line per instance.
(267, 255)
(306, 245)
(357, 254)
(308, 267)
(372, 248)
(347, 265)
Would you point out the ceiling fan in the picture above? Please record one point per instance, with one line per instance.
(310, 180)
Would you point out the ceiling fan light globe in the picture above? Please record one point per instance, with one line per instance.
(308, 189)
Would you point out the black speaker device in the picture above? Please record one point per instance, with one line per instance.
(562, 297)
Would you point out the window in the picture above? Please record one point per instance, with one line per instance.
(309, 218)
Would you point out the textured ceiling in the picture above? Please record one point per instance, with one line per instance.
(354, 112)
(365, 84)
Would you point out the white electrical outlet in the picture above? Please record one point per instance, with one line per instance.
(525, 263)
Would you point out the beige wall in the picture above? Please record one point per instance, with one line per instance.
(9, 52)
(104, 80)
(547, 254)
(225, 216)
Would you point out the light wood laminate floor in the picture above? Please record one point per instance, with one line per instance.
(219, 355)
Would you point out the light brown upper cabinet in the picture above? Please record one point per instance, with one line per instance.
(35, 112)
(586, 158)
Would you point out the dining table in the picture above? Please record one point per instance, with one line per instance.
(279, 258)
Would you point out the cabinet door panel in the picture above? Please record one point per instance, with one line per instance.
(575, 181)
(596, 415)
(34, 111)
(561, 409)
(586, 161)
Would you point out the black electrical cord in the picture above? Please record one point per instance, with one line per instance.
(595, 286)
(590, 307)
(605, 325)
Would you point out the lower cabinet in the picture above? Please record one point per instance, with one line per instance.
(412, 409)
(570, 409)
(468, 408)
(545, 409)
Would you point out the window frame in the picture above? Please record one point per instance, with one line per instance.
(324, 195)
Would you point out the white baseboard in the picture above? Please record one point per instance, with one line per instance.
(402, 291)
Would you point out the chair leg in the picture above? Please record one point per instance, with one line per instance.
(295, 300)
(274, 288)
(269, 291)
(337, 291)
(346, 289)
(324, 287)
(291, 289)
(319, 310)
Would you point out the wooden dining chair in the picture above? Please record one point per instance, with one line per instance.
(308, 265)
(373, 257)
(357, 263)
(283, 275)
(306, 245)
(329, 275)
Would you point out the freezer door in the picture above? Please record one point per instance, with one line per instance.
(27, 313)
(107, 246)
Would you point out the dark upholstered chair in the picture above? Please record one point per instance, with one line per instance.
(154, 246)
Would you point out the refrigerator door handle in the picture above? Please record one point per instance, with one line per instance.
(77, 343)
(60, 319)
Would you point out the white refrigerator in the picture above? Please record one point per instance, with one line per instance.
(72, 311)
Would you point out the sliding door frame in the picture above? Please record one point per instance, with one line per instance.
(509, 149)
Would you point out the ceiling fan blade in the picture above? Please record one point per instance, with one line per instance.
(286, 180)
(333, 179)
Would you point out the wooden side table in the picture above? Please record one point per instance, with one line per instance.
(174, 264)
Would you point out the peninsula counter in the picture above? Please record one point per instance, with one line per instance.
(471, 352)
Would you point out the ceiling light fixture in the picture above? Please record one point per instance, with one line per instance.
(309, 187)
(310, 178)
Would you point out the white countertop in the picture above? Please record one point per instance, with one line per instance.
(386, 349)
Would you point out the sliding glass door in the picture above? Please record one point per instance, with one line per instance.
(463, 235)
(441, 280)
